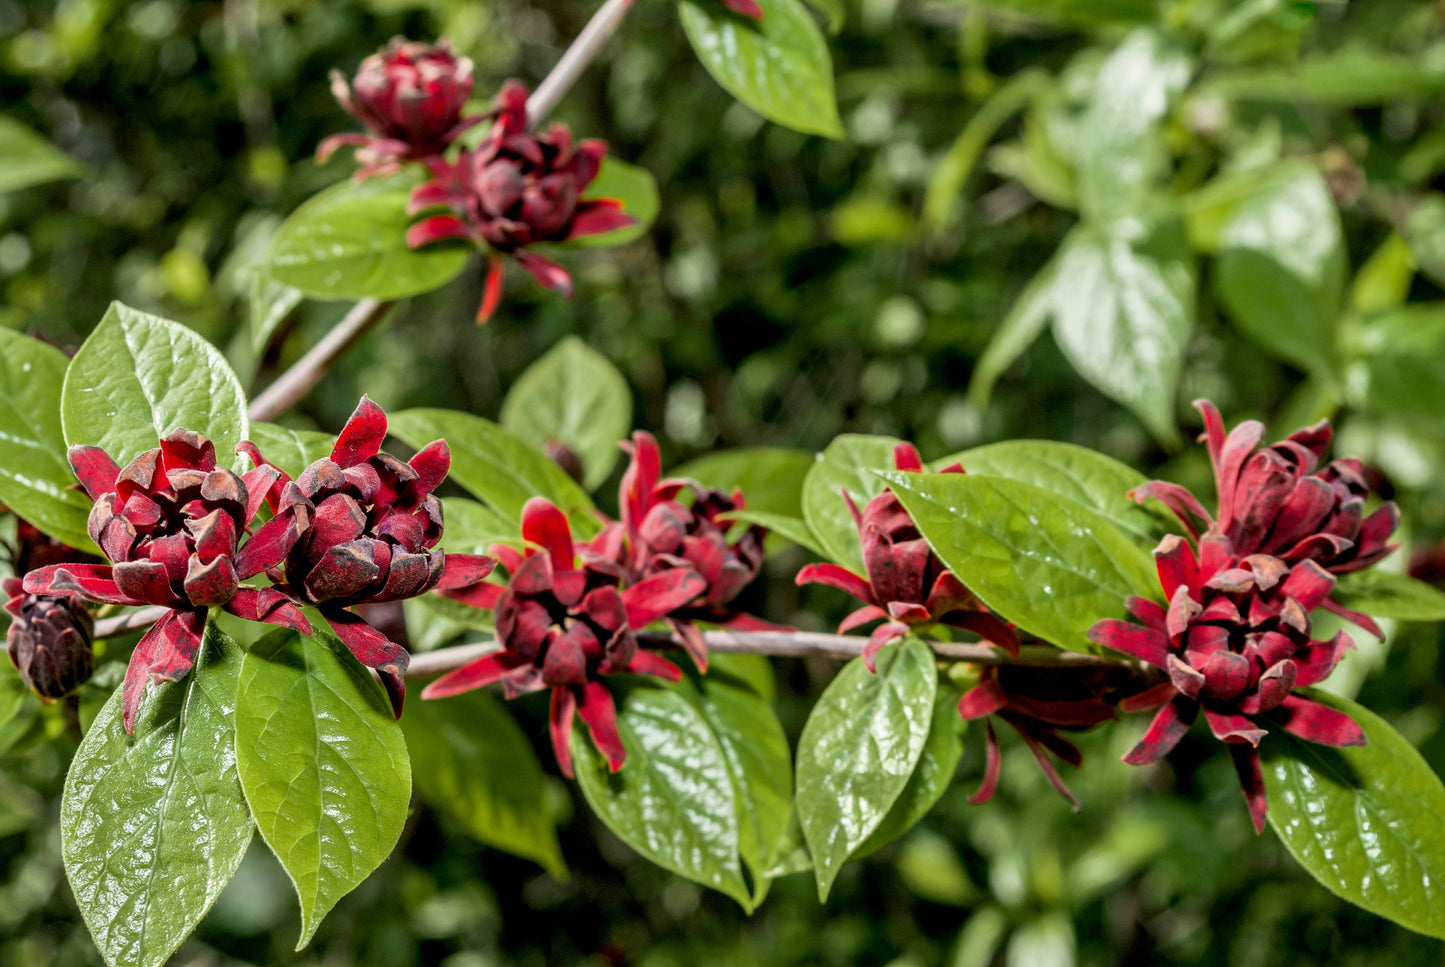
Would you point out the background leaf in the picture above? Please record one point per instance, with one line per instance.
(574, 395)
(154, 825)
(27, 159)
(779, 66)
(847, 464)
(323, 764)
(291, 450)
(271, 303)
(636, 189)
(771, 478)
(1385, 594)
(138, 377)
(858, 750)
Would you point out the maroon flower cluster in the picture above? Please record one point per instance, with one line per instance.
(562, 625)
(368, 527)
(1235, 638)
(410, 96)
(49, 640)
(519, 188)
(906, 585)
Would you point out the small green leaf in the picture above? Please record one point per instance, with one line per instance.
(673, 800)
(349, 242)
(1051, 567)
(835, 12)
(859, 749)
(497, 466)
(27, 159)
(771, 478)
(154, 825)
(271, 303)
(138, 377)
(636, 189)
(779, 66)
(473, 764)
(793, 529)
(36, 481)
(291, 450)
(323, 764)
(1365, 821)
(1384, 594)
(575, 396)
(847, 464)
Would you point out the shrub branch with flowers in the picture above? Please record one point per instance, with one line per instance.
(1012, 584)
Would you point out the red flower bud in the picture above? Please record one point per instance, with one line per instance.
(49, 640)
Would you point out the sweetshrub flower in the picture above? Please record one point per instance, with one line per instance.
(170, 523)
(906, 584)
(49, 640)
(410, 96)
(562, 626)
(369, 526)
(519, 188)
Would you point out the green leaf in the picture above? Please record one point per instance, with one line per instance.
(291, 450)
(27, 159)
(1365, 822)
(793, 529)
(779, 66)
(35, 478)
(138, 377)
(473, 764)
(154, 825)
(847, 464)
(636, 189)
(323, 764)
(1395, 372)
(1353, 75)
(472, 527)
(349, 242)
(835, 12)
(673, 800)
(1025, 321)
(1424, 230)
(1082, 13)
(575, 396)
(1051, 567)
(1123, 307)
(271, 303)
(931, 777)
(1385, 594)
(771, 478)
(496, 466)
(1084, 476)
(858, 750)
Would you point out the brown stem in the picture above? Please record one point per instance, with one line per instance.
(307, 371)
(130, 621)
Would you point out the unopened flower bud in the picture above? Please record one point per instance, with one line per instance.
(49, 640)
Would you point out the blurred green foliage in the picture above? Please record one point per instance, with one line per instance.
(795, 288)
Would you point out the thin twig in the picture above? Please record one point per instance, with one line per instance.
(589, 43)
(307, 371)
(130, 621)
(799, 644)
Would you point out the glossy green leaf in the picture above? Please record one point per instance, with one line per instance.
(673, 800)
(1078, 473)
(471, 527)
(931, 777)
(848, 464)
(497, 466)
(323, 764)
(636, 189)
(138, 377)
(291, 450)
(27, 159)
(271, 303)
(1365, 821)
(474, 765)
(153, 825)
(35, 478)
(349, 242)
(779, 66)
(1051, 567)
(771, 478)
(1385, 594)
(858, 750)
(575, 396)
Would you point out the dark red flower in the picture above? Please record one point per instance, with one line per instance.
(411, 97)
(658, 533)
(1235, 643)
(49, 640)
(1040, 702)
(517, 189)
(1274, 501)
(33, 548)
(170, 523)
(748, 8)
(368, 524)
(906, 585)
(562, 626)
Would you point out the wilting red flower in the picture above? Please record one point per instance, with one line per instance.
(170, 523)
(1040, 702)
(906, 585)
(368, 526)
(49, 640)
(1235, 643)
(517, 189)
(562, 626)
(1274, 501)
(658, 533)
(410, 96)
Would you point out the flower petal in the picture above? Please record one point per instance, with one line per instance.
(374, 650)
(661, 594)
(1314, 722)
(270, 606)
(546, 526)
(486, 670)
(838, 577)
(1145, 644)
(1169, 726)
(990, 767)
(1251, 781)
(165, 653)
(361, 438)
(564, 706)
(95, 469)
(600, 714)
